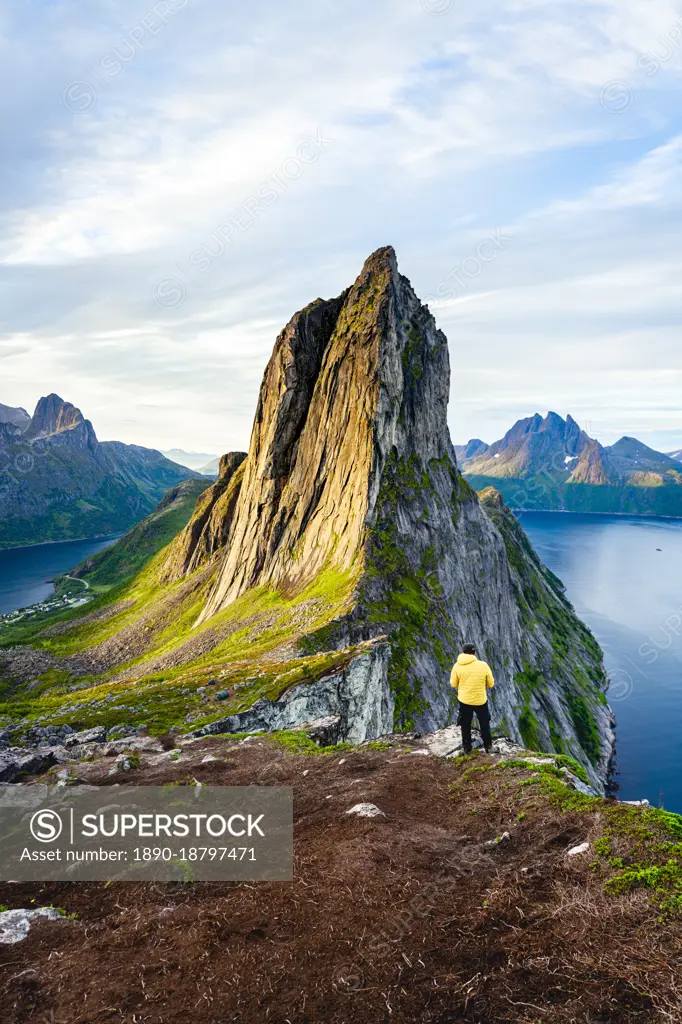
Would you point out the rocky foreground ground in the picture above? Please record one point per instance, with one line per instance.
(464, 899)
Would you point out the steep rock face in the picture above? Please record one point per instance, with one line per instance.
(593, 467)
(293, 497)
(51, 416)
(210, 526)
(10, 435)
(349, 387)
(351, 468)
(357, 697)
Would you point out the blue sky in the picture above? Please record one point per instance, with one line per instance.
(179, 177)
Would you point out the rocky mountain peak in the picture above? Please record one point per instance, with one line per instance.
(349, 380)
(350, 488)
(229, 463)
(628, 444)
(537, 445)
(472, 448)
(67, 484)
(539, 461)
(631, 447)
(554, 422)
(53, 416)
(629, 455)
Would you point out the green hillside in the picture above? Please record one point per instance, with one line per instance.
(544, 493)
(119, 563)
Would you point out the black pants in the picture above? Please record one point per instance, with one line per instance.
(466, 714)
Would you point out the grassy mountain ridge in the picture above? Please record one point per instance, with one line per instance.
(115, 565)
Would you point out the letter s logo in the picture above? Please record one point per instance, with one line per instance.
(46, 826)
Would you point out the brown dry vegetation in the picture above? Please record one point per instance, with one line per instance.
(404, 918)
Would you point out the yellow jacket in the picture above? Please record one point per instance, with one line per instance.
(474, 679)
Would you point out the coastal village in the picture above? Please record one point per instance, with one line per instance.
(56, 602)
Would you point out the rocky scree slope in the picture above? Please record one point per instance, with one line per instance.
(58, 482)
(338, 566)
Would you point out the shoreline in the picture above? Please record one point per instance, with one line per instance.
(71, 540)
(38, 567)
(620, 515)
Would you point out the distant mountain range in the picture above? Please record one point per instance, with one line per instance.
(203, 462)
(676, 455)
(19, 417)
(58, 482)
(551, 463)
(211, 468)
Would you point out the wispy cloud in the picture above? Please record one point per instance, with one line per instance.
(134, 133)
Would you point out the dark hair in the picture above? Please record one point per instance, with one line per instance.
(468, 649)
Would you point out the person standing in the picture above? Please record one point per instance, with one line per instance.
(472, 679)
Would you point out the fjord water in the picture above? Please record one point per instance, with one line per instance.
(624, 578)
(25, 573)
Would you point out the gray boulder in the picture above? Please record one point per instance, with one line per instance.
(62, 755)
(123, 763)
(575, 783)
(17, 760)
(16, 924)
(366, 811)
(325, 731)
(97, 734)
(48, 735)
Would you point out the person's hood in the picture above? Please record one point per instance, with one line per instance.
(466, 659)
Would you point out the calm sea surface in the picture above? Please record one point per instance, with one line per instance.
(25, 572)
(624, 577)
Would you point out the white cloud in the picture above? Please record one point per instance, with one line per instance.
(443, 128)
